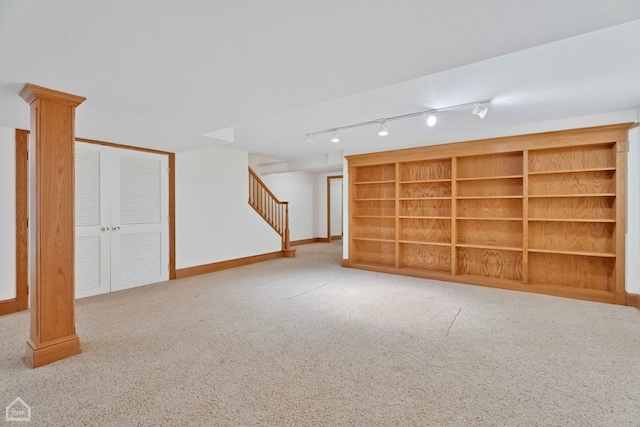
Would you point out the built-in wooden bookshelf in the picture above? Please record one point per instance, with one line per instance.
(543, 213)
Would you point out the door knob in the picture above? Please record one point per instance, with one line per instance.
(116, 228)
(105, 228)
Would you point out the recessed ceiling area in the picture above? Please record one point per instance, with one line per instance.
(161, 74)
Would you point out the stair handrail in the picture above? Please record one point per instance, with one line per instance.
(267, 205)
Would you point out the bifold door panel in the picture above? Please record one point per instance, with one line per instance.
(121, 219)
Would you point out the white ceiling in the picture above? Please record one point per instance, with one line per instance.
(160, 73)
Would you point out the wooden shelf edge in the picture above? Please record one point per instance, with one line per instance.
(487, 197)
(498, 248)
(487, 178)
(550, 196)
(426, 181)
(413, 242)
(574, 253)
(473, 218)
(606, 169)
(587, 220)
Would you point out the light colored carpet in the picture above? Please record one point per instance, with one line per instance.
(304, 342)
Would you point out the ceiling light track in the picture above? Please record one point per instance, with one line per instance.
(480, 109)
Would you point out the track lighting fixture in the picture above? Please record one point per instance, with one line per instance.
(383, 128)
(336, 137)
(480, 109)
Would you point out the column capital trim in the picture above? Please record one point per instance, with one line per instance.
(31, 92)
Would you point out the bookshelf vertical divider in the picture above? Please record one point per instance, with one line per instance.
(525, 216)
(454, 206)
(542, 213)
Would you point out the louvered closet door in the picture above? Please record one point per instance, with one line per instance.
(92, 239)
(140, 241)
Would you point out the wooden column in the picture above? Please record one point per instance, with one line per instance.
(53, 333)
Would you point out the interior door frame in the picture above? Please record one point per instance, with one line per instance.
(172, 195)
(329, 178)
(20, 302)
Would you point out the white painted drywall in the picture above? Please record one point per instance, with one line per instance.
(633, 213)
(300, 189)
(7, 214)
(214, 221)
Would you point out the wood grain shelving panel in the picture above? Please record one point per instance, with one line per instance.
(602, 182)
(425, 170)
(375, 191)
(425, 189)
(375, 173)
(430, 257)
(491, 233)
(490, 188)
(490, 208)
(573, 158)
(490, 165)
(498, 264)
(382, 208)
(425, 230)
(374, 252)
(434, 207)
(572, 271)
(572, 236)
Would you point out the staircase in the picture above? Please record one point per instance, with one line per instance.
(272, 210)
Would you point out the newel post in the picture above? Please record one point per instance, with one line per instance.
(53, 332)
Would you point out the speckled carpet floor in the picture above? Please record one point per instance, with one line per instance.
(304, 342)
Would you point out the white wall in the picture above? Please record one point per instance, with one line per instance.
(300, 189)
(214, 221)
(7, 214)
(633, 213)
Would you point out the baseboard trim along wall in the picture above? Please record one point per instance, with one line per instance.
(8, 306)
(633, 300)
(224, 265)
(307, 241)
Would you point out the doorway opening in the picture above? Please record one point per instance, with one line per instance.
(334, 207)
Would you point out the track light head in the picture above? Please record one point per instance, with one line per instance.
(480, 110)
(383, 128)
(310, 139)
(430, 120)
(336, 137)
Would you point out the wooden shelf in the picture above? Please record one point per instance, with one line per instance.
(488, 197)
(373, 239)
(581, 253)
(480, 212)
(373, 199)
(412, 242)
(542, 196)
(551, 172)
(497, 248)
(425, 181)
(375, 182)
(486, 178)
(374, 216)
(488, 219)
(424, 198)
(570, 220)
(424, 217)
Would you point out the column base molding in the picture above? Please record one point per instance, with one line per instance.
(38, 355)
